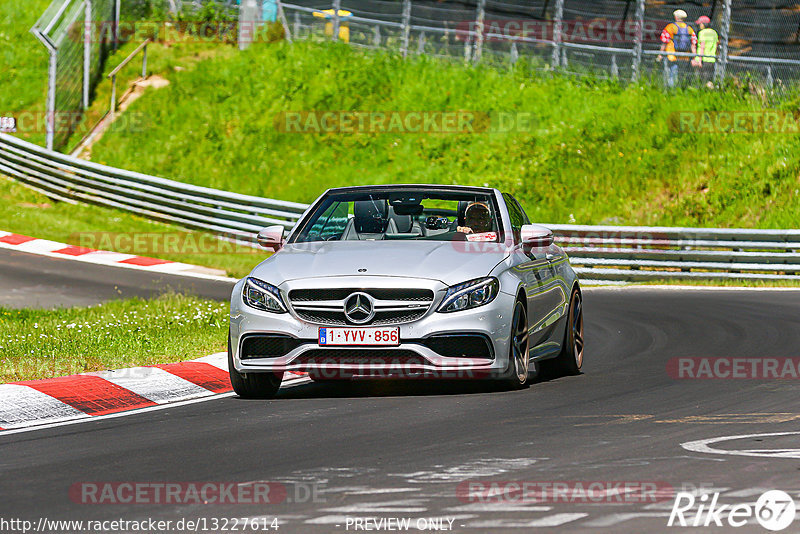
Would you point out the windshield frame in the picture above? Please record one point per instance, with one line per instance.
(350, 194)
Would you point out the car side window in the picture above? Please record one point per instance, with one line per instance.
(516, 215)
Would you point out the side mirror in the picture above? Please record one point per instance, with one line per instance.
(535, 236)
(271, 237)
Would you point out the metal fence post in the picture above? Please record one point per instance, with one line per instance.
(116, 23)
(637, 42)
(479, 18)
(113, 106)
(557, 20)
(52, 69)
(406, 26)
(337, 4)
(285, 23)
(247, 23)
(50, 105)
(87, 51)
(722, 64)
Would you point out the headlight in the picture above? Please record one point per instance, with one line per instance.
(470, 295)
(262, 296)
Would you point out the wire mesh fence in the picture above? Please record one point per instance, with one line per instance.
(79, 36)
(753, 40)
(72, 31)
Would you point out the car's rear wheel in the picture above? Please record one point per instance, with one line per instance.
(252, 385)
(516, 374)
(570, 360)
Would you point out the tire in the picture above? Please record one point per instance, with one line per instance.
(570, 360)
(516, 373)
(252, 385)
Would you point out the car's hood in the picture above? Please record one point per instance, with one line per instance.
(449, 262)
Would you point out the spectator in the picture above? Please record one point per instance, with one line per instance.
(677, 37)
(707, 40)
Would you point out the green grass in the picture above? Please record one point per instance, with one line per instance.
(124, 333)
(163, 60)
(24, 61)
(595, 152)
(27, 212)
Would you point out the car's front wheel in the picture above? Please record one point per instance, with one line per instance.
(252, 385)
(516, 374)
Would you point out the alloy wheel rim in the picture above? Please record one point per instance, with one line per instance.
(577, 330)
(520, 344)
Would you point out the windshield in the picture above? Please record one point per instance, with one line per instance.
(403, 215)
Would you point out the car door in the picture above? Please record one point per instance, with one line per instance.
(532, 269)
(540, 274)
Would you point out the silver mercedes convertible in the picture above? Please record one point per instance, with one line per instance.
(406, 281)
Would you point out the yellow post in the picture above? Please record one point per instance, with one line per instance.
(344, 26)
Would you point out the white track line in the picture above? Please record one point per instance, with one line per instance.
(702, 446)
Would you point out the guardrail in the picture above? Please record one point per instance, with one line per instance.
(67, 178)
(641, 253)
(598, 253)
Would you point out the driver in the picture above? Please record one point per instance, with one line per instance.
(477, 219)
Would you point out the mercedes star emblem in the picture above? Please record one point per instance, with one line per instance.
(359, 308)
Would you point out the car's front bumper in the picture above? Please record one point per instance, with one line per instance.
(411, 358)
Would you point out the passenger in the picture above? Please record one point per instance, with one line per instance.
(477, 219)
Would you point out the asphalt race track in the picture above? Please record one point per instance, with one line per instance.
(35, 281)
(387, 450)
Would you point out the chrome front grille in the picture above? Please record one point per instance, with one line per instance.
(391, 305)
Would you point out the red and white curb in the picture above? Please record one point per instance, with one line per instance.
(54, 249)
(89, 395)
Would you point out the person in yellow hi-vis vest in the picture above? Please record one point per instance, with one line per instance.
(707, 41)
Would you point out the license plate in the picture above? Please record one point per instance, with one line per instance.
(359, 336)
